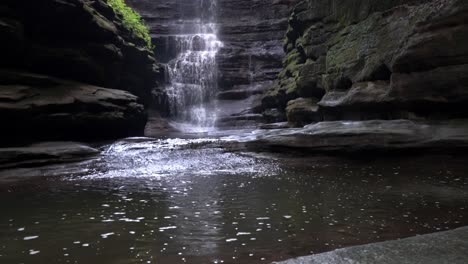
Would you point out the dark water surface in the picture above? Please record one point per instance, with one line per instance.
(190, 201)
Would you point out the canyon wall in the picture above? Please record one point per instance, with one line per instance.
(386, 59)
(251, 57)
(249, 63)
(58, 61)
(252, 32)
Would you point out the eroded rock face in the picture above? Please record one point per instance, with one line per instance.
(252, 32)
(37, 107)
(376, 59)
(85, 47)
(76, 40)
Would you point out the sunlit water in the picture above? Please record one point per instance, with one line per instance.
(192, 201)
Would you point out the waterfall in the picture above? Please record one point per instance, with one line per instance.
(192, 75)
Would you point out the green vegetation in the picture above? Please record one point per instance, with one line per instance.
(132, 20)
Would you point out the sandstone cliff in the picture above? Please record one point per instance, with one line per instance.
(86, 49)
(358, 60)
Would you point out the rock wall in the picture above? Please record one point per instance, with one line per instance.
(84, 46)
(386, 59)
(252, 32)
(166, 19)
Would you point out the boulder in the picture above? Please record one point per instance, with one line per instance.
(302, 111)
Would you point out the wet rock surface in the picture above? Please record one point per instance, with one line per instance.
(444, 247)
(369, 136)
(45, 153)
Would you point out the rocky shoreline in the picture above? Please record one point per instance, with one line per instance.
(436, 248)
(368, 137)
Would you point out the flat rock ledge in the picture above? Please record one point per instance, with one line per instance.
(368, 136)
(36, 108)
(450, 247)
(45, 153)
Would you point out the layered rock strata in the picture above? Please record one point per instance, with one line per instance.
(383, 59)
(38, 107)
(85, 47)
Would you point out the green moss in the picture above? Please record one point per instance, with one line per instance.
(291, 89)
(132, 20)
(291, 63)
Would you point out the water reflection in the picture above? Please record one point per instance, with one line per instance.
(190, 201)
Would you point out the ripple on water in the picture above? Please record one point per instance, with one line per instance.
(159, 159)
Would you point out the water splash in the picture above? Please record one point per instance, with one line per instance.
(193, 74)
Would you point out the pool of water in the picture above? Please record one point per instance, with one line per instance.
(193, 201)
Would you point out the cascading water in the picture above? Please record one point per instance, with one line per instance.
(192, 75)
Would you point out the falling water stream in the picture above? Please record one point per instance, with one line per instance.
(193, 74)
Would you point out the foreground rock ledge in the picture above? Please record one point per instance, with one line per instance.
(368, 136)
(37, 107)
(445, 247)
(45, 153)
